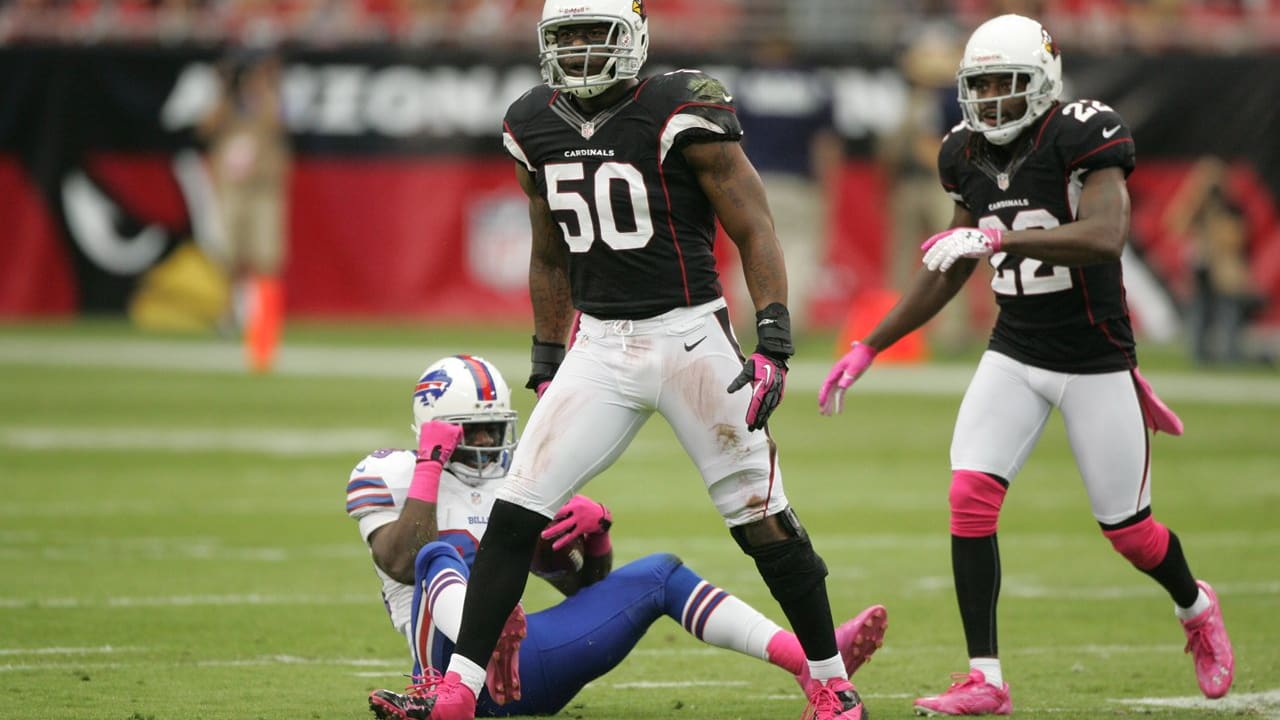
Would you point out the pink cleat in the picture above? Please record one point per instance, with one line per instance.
(973, 695)
(836, 699)
(1208, 643)
(435, 698)
(857, 638)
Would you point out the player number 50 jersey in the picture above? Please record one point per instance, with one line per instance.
(637, 225)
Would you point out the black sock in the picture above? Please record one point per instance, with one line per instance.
(498, 578)
(810, 618)
(975, 564)
(796, 577)
(1174, 575)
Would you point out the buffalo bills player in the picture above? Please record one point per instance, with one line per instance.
(423, 514)
(626, 179)
(1040, 190)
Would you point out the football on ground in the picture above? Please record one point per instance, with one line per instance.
(549, 563)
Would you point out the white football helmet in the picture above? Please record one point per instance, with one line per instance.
(1015, 45)
(624, 49)
(469, 391)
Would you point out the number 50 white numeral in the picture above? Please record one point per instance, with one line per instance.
(606, 175)
(1030, 276)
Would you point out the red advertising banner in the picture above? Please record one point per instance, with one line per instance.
(403, 207)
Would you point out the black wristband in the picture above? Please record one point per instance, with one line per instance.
(546, 358)
(773, 333)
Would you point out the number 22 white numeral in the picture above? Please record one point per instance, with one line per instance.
(1026, 277)
(1082, 110)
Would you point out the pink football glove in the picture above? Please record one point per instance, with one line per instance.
(844, 373)
(943, 249)
(585, 518)
(436, 442)
(541, 388)
(1158, 416)
(768, 378)
(502, 678)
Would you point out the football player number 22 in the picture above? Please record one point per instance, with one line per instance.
(1029, 276)
(607, 176)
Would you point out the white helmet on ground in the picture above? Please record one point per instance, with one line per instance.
(1019, 46)
(469, 391)
(624, 46)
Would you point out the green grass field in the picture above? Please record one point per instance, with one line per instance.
(173, 542)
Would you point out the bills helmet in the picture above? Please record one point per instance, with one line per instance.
(613, 51)
(1022, 48)
(469, 391)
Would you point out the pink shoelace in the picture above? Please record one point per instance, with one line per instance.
(824, 698)
(1198, 637)
(423, 683)
(964, 679)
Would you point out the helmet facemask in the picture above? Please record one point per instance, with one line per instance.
(474, 461)
(622, 42)
(1026, 83)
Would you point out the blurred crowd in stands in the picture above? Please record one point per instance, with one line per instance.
(820, 26)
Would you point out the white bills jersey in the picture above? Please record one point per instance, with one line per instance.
(376, 494)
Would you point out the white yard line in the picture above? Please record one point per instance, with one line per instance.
(1226, 589)
(188, 601)
(269, 441)
(101, 650)
(349, 361)
(1255, 704)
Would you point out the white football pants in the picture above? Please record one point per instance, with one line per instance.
(1004, 413)
(619, 372)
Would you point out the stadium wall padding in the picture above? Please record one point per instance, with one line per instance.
(403, 205)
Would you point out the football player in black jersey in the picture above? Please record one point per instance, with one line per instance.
(626, 178)
(1040, 191)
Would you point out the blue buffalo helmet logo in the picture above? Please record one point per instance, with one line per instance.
(431, 386)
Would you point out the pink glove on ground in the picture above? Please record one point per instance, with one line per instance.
(436, 443)
(768, 379)
(943, 249)
(502, 678)
(1158, 416)
(844, 373)
(585, 518)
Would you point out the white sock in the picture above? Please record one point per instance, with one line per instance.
(1200, 605)
(990, 668)
(722, 620)
(444, 594)
(824, 670)
(472, 674)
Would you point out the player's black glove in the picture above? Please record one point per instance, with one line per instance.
(546, 359)
(766, 369)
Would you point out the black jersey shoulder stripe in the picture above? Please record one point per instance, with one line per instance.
(671, 224)
(666, 193)
(524, 155)
(641, 86)
(1100, 148)
(1044, 125)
